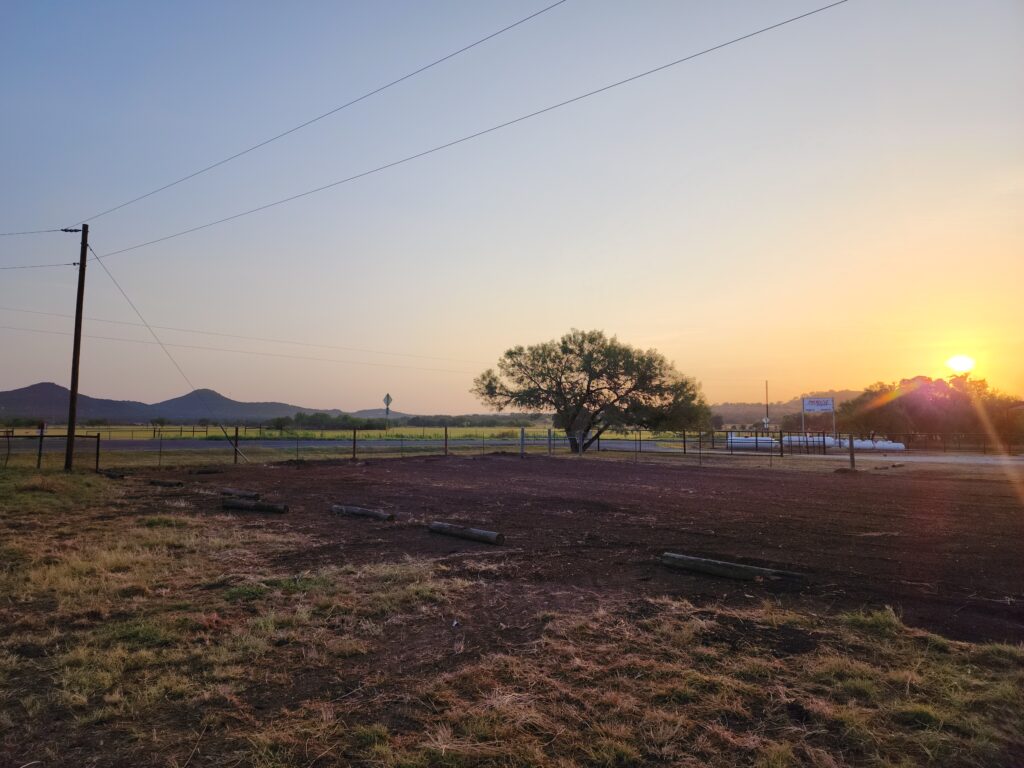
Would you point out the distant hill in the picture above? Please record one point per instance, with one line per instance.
(751, 413)
(49, 402)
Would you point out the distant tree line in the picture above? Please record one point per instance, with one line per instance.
(921, 404)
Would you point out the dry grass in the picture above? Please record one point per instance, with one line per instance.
(153, 629)
(666, 683)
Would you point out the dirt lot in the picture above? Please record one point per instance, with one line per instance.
(945, 553)
(147, 627)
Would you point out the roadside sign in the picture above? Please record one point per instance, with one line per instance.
(387, 400)
(819, 405)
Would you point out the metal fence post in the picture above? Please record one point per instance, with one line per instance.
(39, 454)
(781, 449)
(97, 451)
(446, 441)
(160, 452)
(236, 443)
(353, 444)
(551, 447)
(522, 442)
(853, 461)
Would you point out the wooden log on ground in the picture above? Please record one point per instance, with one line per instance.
(167, 483)
(473, 534)
(253, 506)
(724, 568)
(376, 514)
(240, 494)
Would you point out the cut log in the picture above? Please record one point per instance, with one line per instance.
(239, 494)
(167, 483)
(724, 568)
(473, 534)
(253, 506)
(376, 514)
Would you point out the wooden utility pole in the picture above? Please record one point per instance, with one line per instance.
(76, 354)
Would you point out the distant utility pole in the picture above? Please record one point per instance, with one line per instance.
(767, 418)
(76, 353)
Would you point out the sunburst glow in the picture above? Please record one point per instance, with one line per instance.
(960, 363)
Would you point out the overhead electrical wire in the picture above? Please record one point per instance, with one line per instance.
(247, 338)
(235, 351)
(39, 266)
(330, 112)
(480, 133)
(29, 232)
(201, 395)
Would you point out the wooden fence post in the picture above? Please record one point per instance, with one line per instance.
(39, 454)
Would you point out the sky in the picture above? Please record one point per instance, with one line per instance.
(833, 203)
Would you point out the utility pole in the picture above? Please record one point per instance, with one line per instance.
(76, 354)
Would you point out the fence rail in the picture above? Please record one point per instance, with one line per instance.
(46, 449)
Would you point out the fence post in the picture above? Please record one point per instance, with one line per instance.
(446, 441)
(579, 443)
(824, 448)
(781, 449)
(522, 442)
(97, 451)
(160, 452)
(39, 454)
(853, 461)
(551, 447)
(684, 442)
(236, 444)
(700, 447)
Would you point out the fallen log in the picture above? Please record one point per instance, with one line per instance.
(253, 506)
(724, 568)
(167, 483)
(239, 494)
(473, 534)
(376, 514)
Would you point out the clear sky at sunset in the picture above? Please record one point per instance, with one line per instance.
(833, 203)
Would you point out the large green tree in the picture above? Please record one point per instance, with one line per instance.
(923, 404)
(592, 383)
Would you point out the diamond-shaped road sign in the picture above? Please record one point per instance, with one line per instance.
(387, 400)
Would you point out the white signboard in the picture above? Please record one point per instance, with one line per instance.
(819, 405)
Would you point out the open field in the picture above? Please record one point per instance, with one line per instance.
(144, 626)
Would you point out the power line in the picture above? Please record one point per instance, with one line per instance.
(237, 351)
(29, 232)
(192, 387)
(247, 338)
(40, 266)
(335, 110)
(478, 134)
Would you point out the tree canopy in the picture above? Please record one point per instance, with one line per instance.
(923, 404)
(591, 383)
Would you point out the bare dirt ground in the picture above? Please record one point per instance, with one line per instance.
(144, 625)
(942, 550)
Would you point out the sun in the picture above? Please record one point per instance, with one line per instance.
(960, 364)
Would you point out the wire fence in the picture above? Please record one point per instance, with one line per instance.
(122, 447)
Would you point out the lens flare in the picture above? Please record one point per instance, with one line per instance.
(960, 363)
